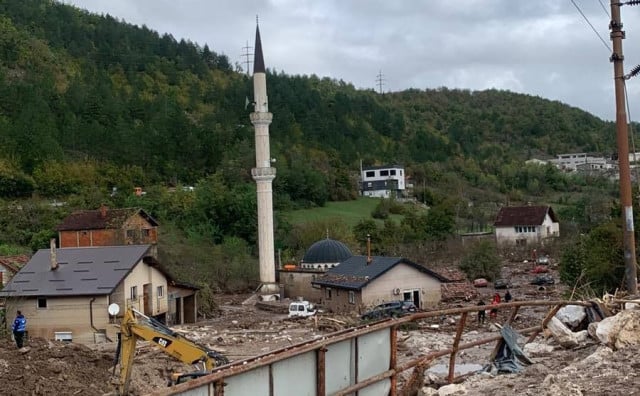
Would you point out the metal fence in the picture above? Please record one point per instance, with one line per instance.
(360, 360)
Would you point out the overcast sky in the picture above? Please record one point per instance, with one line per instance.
(541, 47)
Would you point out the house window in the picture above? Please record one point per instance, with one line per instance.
(146, 232)
(392, 172)
(521, 242)
(42, 302)
(352, 297)
(130, 233)
(328, 293)
(160, 291)
(134, 292)
(370, 174)
(384, 173)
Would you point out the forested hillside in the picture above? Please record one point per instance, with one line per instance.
(89, 104)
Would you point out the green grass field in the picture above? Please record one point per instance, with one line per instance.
(350, 212)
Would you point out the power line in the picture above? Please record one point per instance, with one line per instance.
(604, 8)
(594, 29)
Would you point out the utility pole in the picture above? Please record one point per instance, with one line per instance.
(380, 81)
(247, 54)
(617, 34)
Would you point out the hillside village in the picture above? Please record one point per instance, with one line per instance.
(155, 213)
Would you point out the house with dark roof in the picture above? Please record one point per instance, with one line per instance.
(365, 281)
(526, 225)
(65, 293)
(9, 266)
(108, 227)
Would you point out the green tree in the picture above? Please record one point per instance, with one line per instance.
(481, 261)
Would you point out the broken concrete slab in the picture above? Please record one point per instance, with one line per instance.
(563, 335)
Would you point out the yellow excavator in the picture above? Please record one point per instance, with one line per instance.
(137, 326)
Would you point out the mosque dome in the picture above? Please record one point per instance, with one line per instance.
(327, 251)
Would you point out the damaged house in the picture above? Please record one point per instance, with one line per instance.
(365, 281)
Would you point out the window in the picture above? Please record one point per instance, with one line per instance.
(130, 233)
(134, 292)
(384, 173)
(146, 232)
(521, 242)
(160, 291)
(352, 297)
(42, 302)
(392, 172)
(328, 293)
(400, 172)
(370, 174)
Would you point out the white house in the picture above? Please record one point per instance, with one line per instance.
(525, 225)
(382, 181)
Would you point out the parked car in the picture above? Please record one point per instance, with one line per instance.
(542, 280)
(543, 260)
(480, 282)
(501, 284)
(390, 309)
(540, 269)
(302, 309)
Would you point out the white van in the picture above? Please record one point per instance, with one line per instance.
(301, 308)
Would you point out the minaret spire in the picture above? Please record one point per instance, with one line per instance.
(263, 173)
(258, 59)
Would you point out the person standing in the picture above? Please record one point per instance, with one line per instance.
(481, 313)
(19, 327)
(507, 296)
(494, 311)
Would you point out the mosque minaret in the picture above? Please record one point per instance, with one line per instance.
(263, 173)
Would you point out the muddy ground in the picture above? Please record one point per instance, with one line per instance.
(242, 331)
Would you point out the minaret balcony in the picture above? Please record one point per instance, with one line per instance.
(259, 118)
(263, 173)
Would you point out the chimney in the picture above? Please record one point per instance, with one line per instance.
(369, 258)
(54, 261)
(103, 211)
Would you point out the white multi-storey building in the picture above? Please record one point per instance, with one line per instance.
(382, 181)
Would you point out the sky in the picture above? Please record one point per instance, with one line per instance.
(544, 48)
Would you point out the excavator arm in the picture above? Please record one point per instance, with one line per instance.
(136, 326)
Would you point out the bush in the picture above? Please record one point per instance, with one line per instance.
(481, 261)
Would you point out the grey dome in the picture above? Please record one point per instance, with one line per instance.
(327, 251)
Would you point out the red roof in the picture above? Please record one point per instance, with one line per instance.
(523, 215)
(14, 263)
(94, 219)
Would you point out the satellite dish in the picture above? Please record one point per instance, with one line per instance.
(113, 309)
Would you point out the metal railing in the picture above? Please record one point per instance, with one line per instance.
(214, 384)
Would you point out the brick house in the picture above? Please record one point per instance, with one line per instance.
(108, 227)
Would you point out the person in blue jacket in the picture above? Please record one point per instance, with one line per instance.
(19, 327)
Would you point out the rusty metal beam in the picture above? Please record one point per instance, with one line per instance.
(456, 342)
(321, 372)
(393, 359)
